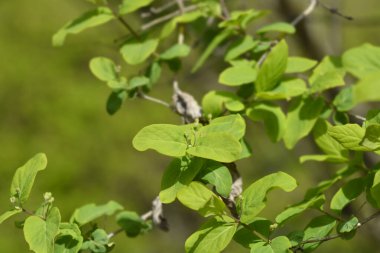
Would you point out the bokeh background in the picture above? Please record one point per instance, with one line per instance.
(49, 102)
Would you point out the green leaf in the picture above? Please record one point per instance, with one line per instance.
(187, 17)
(246, 238)
(238, 75)
(24, 177)
(366, 90)
(198, 197)
(89, 19)
(375, 188)
(105, 70)
(136, 52)
(316, 202)
(272, 116)
(132, 223)
(138, 81)
(90, 212)
(242, 18)
(40, 234)
(280, 27)
(328, 74)
(254, 197)
(280, 244)
(362, 61)
(115, 101)
(318, 227)
(216, 41)
(166, 139)
(98, 242)
(154, 73)
(218, 175)
(324, 158)
(302, 115)
(371, 138)
(299, 65)
(273, 68)
(176, 51)
(240, 47)
(128, 6)
(372, 118)
(348, 193)
(179, 173)
(233, 124)
(326, 142)
(68, 239)
(344, 101)
(348, 226)
(285, 90)
(212, 237)
(221, 147)
(9, 214)
(214, 102)
(349, 136)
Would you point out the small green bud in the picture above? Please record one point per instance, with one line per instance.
(13, 199)
(47, 196)
(273, 226)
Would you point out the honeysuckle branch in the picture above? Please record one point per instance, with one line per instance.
(225, 11)
(124, 23)
(331, 237)
(158, 10)
(167, 17)
(335, 11)
(309, 9)
(142, 95)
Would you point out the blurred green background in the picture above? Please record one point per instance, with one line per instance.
(50, 102)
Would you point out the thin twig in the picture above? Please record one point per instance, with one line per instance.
(226, 13)
(158, 10)
(373, 216)
(310, 8)
(181, 28)
(167, 17)
(155, 100)
(124, 23)
(335, 11)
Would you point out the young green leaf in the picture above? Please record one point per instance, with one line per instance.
(375, 188)
(176, 51)
(98, 243)
(280, 27)
(68, 239)
(348, 226)
(328, 74)
(217, 40)
(214, 102)
(349, 136)
(128, 6)
(323, 158)
(40, 233)
(318, 227)
(179, 173)
(198, 197)
(138, 81)
(302, 115)
(299, 65)
(240, 47)
(105, 70)
(9, 214)
(132, 223)
(246, 238)
(362, 61)
(24, 177)
(212, 237)
(272, 116)
(348, 193)
(137, 52)
(218, 175)
(285, 90)
(273, 68)
(372, 118)
(233, 124)
(238, 75)
(221, 147)
(154, 73)
(90, 212)
(89, 19)
(371, 138)
(316, 202)
(254, 197)
(164, 138)
(344, 101)
(366, 90)
(115, 101)
(279, 244)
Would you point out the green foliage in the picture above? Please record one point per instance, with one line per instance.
(266, 86)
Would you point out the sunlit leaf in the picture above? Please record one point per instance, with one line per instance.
(90, 212)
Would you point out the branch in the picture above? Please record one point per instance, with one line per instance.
(167, 17)
(335, 11)
(226, 13)
(140, 94)
(306, 12)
